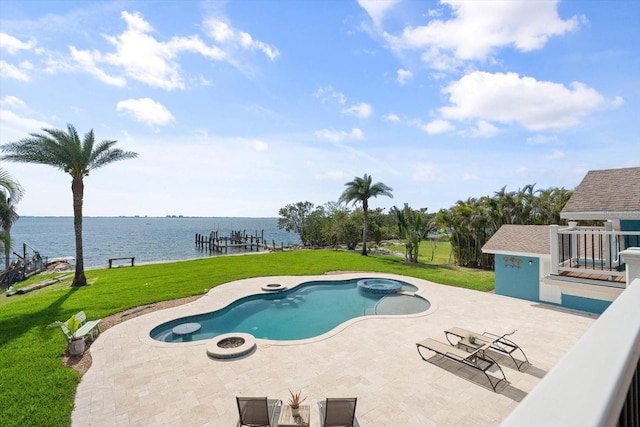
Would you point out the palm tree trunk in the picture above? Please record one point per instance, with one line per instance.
(77, 187)
(365, 221)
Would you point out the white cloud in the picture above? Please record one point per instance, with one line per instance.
(219, 31)
(14, 126)
(437, 126)
(339, 136)
(13, 45)
(478, 28)
(147, 111)
(424, 172)
(555, 155)
(403, 76)
(223, 33)
(327, 93)
(86, 61)
(484, 129)
(509, 98)
(248, 42)
(13, 102)
(362, 110)
(377, 8)
(11, 71)
(617, 101)
(140, 56)
(391, 117)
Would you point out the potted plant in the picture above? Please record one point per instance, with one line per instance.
(76, 343)
(294, 402)
(472, 339)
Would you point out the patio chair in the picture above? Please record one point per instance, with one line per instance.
(257, 411)
(478, 359)
(499, 343)
(338, 412)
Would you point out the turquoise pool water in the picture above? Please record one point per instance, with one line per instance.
(306, 311)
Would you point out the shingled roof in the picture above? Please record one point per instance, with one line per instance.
(606, 194)
(520, 240)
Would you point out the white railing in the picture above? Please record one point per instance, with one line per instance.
(592, 249)
(597, 383)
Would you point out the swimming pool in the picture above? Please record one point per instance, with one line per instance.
(307, 310)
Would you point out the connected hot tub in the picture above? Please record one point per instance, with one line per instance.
(379, 286)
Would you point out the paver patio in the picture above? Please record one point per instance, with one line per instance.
(137, 381)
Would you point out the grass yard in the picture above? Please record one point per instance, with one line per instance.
(440, 250)
(38, 390)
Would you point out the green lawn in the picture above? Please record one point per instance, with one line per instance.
(37, 390)
(441, 254)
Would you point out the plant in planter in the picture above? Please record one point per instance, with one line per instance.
(472, 339)
(294, 402)
(76, 343)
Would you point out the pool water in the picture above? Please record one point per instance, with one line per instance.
(306, 311)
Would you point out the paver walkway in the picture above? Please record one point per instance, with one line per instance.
(136, 381)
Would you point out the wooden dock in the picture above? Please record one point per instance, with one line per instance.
(239, 240)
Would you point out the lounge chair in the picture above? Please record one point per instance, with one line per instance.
(257, 411)
(338, 412)
(499, 343)
(477, 359)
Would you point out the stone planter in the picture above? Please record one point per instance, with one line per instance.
(76, 346)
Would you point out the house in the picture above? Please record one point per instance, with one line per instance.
(583, 267)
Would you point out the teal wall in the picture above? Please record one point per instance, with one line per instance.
(630, 225)
(515, 277)
(585, 304)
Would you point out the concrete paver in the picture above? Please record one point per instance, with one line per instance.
(137, 381)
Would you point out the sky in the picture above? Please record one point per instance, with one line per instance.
(239, 108)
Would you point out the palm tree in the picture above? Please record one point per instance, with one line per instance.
(10, 193)
(65, 151)
(361, 190)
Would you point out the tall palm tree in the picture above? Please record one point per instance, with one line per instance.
(361, 190)
(10, 193)
(67, 152)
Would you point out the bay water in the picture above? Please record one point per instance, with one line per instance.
(148, 239)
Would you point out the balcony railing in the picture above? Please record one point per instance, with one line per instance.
(596, 384)
(593, 250)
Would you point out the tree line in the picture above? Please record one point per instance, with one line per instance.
(468, 225)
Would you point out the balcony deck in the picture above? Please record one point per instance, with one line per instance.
(595, 275)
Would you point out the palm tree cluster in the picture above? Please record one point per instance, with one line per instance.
(472, 222)
(10, 194)
(413, 225)
(77, 157)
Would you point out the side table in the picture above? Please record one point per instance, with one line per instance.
(288, 420)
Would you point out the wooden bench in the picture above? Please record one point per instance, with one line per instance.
(87, 329)
(131, 258)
